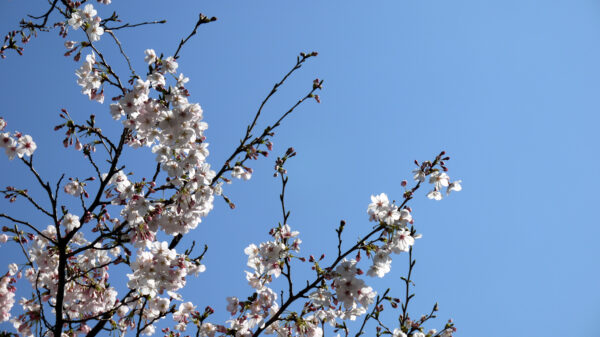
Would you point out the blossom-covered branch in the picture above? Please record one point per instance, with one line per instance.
(68, 263)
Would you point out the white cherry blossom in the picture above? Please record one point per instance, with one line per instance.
(454, 186)
(150, 56)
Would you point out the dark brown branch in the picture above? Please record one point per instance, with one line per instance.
(2, 215)
(285, 215)
(91, 160)
(46, 186)
(45, 16)
(139, 324)
(58, 186)
(60, 291)
(407, 282)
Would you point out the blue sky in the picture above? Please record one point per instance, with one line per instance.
(507, 88)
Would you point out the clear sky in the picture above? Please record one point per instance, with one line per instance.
(508, 88)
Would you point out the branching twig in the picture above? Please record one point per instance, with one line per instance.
(45, 16)
(373, 312)
(285, 216)
(243, 146)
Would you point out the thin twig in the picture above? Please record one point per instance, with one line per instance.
(2, 215)
(122, 52)
(201, 19)
(129, 25)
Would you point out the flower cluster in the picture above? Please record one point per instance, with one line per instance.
(254, 312)
(400, 241)
(149, 309)
(399, 238)
(439, 179)
(381, 210)
(87, 19)
(173, 127)
(7, 296)
(16, 145)
(352, 291)
(182, 315)
(267, 261)
(89, 77)
(267, 258)
(241, 172)
(160, 269)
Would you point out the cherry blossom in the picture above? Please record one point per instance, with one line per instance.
(70, 222)
(435, 195)
(454, 186)
(398, 333)
(150, 56)
(74, 188)
(439, 179)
